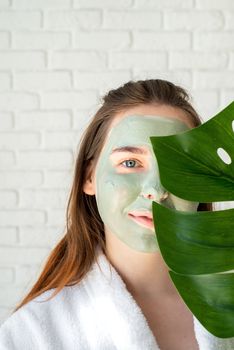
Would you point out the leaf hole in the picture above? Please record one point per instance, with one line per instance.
(224, 156)
(233, 125)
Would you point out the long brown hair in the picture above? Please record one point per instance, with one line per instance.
(74, 254)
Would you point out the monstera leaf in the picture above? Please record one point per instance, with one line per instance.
(198, 247)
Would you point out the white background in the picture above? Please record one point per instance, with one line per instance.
(57, 58)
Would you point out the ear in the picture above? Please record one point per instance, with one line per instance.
(89, 185)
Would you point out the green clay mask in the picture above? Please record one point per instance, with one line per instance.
(127, 181)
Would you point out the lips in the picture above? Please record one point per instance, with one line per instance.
(143, 218)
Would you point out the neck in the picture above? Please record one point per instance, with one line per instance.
(145, 274)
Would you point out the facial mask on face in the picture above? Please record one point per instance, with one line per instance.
(127, 183)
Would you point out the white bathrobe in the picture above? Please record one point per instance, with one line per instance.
(97, 314)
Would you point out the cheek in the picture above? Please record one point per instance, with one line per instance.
(118, 190)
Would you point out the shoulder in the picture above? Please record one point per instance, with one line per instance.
(44, 304)
(40, 321)
(67, 318)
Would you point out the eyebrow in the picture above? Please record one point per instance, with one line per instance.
(129, 149)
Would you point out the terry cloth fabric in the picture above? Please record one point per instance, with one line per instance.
(97, 314)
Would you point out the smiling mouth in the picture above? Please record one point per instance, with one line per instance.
(143, 220)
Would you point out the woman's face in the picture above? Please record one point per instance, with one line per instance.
(126, 179)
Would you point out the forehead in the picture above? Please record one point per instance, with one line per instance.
(137, 129)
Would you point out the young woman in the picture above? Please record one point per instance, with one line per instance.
(105, 284)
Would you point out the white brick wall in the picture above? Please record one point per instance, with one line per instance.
(56, 59)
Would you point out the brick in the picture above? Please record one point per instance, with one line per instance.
(214, 41)
(78, 60)
(4, 41)
(180, 77)
(16, 140)
(132, 20)
(37, 199)
(232, 61)
(57, 217)
(26, 273)
(16, 100)
(197, 60)
(129, 60)
(226, 98)
(161, 41)
(101, 80)
(8, 235)
(41, 40)
(81, 119)
(20, 179)
(215, 4)
(167, 4)
(102, 40)
(87, 20)
(209, 97)
(5, 312)
(21, 217)
(229, 20)
(214, 80)
(22, 60)
(58, 179)
(7, 159)
(4, 4)
(80, 129)
(205, 102)
(193, 20)
(5, 81)
(45, 159)
(8, 199)
(54, 120)
(10, 296)
(102, 4)
(57, 100)
(46, 237)
(6, 121)
(42, 80)
(6, 275)
(41, 4)
(21, 255)
(216, 110)
(63, 139)
(20, 20)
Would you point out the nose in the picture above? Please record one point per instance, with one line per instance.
(152, 188)
(157, 194)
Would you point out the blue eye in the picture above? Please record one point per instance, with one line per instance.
(129, 163)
